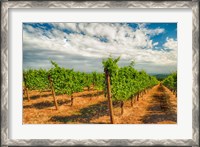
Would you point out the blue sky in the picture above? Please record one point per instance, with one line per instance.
(82, 46)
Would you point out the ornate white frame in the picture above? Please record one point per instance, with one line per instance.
(5, 5)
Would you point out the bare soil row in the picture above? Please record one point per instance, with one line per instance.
(157, 106)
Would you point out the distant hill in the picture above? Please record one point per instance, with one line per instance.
(160, 77)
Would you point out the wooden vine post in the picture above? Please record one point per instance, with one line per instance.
(109, 96)
(26, 88)
(53, 92)
(72, 99)
(122, 107)
(27, 93)
(132, 101)
(137, 97)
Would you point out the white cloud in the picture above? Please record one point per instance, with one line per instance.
(70, 26)
(171, 44)
(29, 28)
(156, 43)
(154, 32)
(122, 41)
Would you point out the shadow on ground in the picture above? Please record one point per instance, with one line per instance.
(94, 94)
(160, 109)
(85, 115)
(155, 118)
(46, 104)
(37, 96)
(34, 97)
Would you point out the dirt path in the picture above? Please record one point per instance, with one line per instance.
(157, 106)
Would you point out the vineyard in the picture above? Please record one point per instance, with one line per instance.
(118, 95)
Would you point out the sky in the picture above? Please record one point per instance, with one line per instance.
(82, 46)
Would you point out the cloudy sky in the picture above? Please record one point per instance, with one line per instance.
(82, 46)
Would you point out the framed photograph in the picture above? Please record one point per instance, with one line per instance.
(99, 73)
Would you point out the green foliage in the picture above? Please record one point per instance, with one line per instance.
(36, 79)
(66, 81)
(171, 81)
(132, 64)
(126, 81)
(110, 65)
(98, 80)
(87, 80)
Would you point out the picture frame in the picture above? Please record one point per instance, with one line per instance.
(5, 130)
